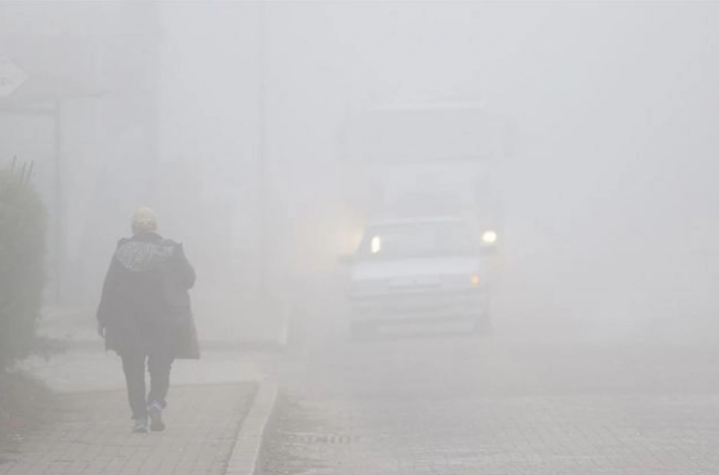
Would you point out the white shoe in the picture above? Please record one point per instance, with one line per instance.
(139, 425)
(155, 411)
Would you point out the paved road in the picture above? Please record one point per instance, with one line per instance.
(453, 404)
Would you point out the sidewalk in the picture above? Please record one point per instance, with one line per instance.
(86, 370)
(89, 430)
(77, 329)
(90, 435)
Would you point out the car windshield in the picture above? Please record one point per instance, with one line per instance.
(416, 240)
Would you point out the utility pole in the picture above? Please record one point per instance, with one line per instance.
(263, 169)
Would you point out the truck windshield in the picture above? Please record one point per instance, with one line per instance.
(416, 240)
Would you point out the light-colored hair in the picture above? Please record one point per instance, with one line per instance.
(144, 220)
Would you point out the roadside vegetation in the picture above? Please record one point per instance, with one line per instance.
(23, 225)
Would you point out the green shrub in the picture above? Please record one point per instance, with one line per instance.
(22, 260)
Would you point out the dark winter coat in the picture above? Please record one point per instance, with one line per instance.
(145, 306)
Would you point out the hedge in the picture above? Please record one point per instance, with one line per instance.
(23, 224)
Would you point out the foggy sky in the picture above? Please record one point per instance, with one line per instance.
(609, 198)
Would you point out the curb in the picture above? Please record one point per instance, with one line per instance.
(247, 451)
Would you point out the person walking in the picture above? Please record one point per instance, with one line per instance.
(145, 315)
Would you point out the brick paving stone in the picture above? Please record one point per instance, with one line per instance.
(455, 407)
(588, 435)
(90, 435)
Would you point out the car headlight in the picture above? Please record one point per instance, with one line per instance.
(376, 245)
(489, 237)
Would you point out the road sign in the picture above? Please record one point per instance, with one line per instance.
(11, 76)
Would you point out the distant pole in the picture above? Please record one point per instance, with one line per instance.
(59, 205)
(263, 168)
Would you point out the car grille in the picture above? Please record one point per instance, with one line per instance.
(417, 302)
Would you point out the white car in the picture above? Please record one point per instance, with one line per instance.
(426, 270)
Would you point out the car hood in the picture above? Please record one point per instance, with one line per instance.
(407, 268)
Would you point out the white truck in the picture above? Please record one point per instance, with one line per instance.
(421, 186)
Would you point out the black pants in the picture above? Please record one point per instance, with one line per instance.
(159, 367)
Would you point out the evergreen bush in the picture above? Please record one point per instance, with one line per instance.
(22, 262)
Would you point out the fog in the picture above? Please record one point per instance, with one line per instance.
(357, 184)
(227, 117)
